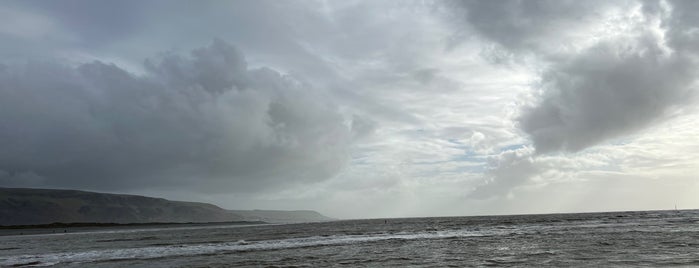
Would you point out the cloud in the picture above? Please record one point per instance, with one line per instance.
(205, 121)
(609, 91)
(615, 88)
(506, 171)
(680, 21)
(633, 75)
(379, 108)
(542, 26)
(103, 22)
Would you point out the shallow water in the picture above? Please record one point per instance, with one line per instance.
(649, 238)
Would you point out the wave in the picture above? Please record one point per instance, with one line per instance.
(216, 248)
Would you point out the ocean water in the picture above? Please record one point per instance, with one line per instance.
(646, 238)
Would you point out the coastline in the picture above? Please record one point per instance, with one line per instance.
(60, 227)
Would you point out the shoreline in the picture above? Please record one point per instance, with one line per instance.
(114, 224)
(79, 227)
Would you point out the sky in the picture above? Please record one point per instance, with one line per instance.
(356, 109)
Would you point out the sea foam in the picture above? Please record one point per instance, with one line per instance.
(224, 247)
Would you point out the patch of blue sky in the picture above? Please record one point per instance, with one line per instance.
(512, 147)
(469, 156)
(621, 141)
(455, 141)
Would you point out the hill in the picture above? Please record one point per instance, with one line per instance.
(20, 206)
(281, 215)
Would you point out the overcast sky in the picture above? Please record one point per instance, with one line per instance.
(356, 108)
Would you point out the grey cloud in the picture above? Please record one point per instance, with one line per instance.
(617, 87)
(613, 89)
(681, 22)
(607, 92)
(538, 25)
(322, 43)
(506, 171)
(204, 121)
(98, 22)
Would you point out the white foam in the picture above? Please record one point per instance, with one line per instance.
(213, 248)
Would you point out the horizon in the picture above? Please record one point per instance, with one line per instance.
(675, 208)
(356, 109)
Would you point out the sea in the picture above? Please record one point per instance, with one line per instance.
(640, 238)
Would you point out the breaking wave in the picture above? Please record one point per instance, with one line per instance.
(217, 248)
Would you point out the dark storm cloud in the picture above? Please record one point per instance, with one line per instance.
(204, 121)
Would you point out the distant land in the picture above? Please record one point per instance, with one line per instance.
(23, 206)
